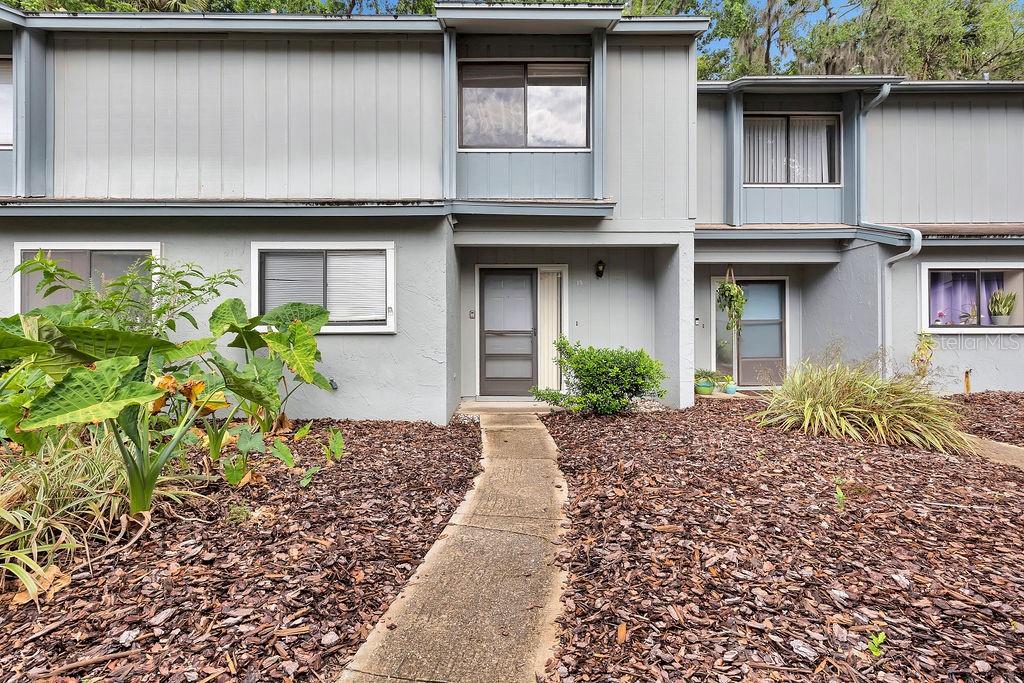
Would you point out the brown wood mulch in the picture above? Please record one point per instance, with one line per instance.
(294, 589)
(996, 415)
(703, 547)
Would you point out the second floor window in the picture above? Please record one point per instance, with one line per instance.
(535, 106)
(797, 150)
(6, 103)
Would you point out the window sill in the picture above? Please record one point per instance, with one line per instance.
(836, 186)
(358, 329)
(952, 329)
(520, 150)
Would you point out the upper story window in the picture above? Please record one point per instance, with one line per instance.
(976, 298)
(6, 103)
(524, 106)
(791, 149)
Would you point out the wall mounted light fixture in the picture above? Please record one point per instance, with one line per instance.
(599, 269)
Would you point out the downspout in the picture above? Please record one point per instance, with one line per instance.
(885, 305)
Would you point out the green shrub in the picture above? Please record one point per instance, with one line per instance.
(855, 402)
(603, 381)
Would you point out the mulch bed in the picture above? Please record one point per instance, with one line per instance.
(705, 547)
(291, 591)
(996, 415)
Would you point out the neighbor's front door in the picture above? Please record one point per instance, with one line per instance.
(508, 331)
(756, 356)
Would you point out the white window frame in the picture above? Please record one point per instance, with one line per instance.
(47, 245)
(924, 296)
(389, 327)
(790, 345)
(812, 114)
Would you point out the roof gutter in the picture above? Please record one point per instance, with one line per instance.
(882, 95)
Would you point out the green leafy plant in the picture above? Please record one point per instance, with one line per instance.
(732, 300)
(280, 450)
(856, 402)
(840, 495)
(706, 376)
(603, 381)
(875, 641)
(1002, 303)
(302, 432)
(238, 514)
(921, 360)
(308, 474)
(237, 466)
(335, 448)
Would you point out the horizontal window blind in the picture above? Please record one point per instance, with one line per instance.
(350, 283)
(293, 277)
(357, 285)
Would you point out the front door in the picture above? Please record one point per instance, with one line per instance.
(508, 331)
(756, 356)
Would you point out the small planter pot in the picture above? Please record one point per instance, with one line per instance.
(704, 388)
(1001, 320)
(730, 389)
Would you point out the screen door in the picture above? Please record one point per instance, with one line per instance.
(757, 355)
(508, 331)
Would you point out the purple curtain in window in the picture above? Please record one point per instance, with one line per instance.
(953, 297)
(990, 282)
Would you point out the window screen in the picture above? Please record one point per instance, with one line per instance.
(96, 267)
(351, 283)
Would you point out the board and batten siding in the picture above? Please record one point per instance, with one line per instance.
(710, 159)
(946, 159)
(524, 175)
(212, 118)
(793, 204)
(649, 91)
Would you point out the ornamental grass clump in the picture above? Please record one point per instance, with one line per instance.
(855, 402)
(603, 381)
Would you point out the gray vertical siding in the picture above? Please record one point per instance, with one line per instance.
(711, 159)
(946, 159)
(649, 85)
(524, 175)
(248, 118)
(792, 204)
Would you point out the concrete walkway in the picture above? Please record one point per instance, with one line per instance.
(997, 451)
(483, 604)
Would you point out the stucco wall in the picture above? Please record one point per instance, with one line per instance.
(841, 304)
(996, 360)
(402, 375)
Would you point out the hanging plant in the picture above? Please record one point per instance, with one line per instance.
(731, 299)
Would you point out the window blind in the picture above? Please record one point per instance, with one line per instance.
(809, 140)
(357, 285)
(293, 277)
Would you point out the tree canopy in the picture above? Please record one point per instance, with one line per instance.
(921, 39)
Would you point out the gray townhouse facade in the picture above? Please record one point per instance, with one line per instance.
(460, 189)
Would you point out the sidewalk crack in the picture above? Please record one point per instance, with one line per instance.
(504, 531)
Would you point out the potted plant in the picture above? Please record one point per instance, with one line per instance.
(727, 385)
(705, 382)
(731, 299)
(1000, 307)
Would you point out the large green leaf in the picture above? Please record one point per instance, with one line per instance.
(248, 339)
(230, 314)
(90, 395)
(312, 315)
(253, 382)
(64, 355)
(189, 349)
(297, 348)
(101, 343)
(15, 346)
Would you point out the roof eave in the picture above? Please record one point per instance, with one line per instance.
(157, 22)
(790, 84)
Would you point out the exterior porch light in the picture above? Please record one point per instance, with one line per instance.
(599, 269)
